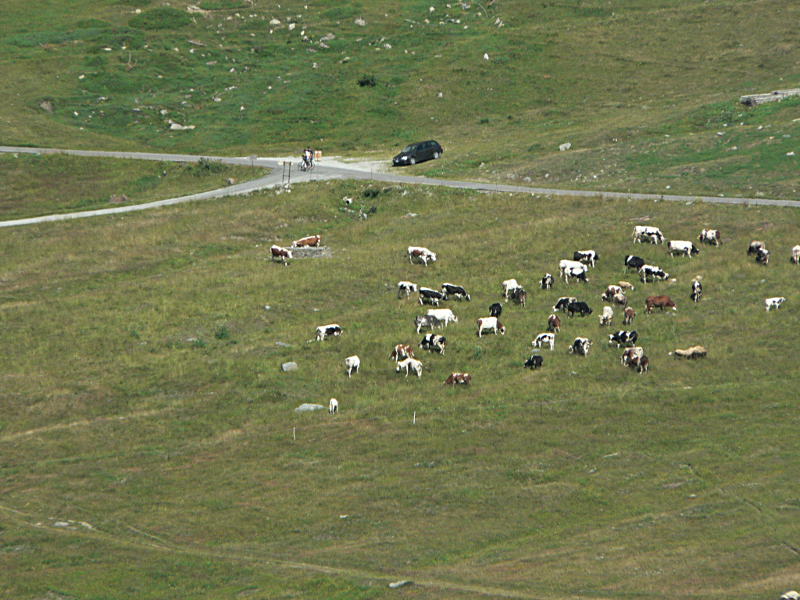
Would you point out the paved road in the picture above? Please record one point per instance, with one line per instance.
(322, 171)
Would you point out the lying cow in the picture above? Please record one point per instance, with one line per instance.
(352, 363)
(410, 365)
(534, 362)
(692, 353)
(661, 302)
(587, 257)
(710, 236)
(626, 285)
(495, 309)
(563, 302)
(547, 281)
(683, 247)
(580, 346)
(623, 338)
(445, 315)
(430, 296)
(775, 303)
(646, 233)
(553, 323)
(326, 331)
(427, 322)
(631, 354)
(280, 253)
(401, 351)
(406, 288)
(542, 339)
(630, 315)
(420, 254)
(490, 324)
(458, 379)
(578, 307)
(607, 316)
(457, 291)
(308, 241)
(633, 262)
(620, 299)
(434, 343)
(651, 273)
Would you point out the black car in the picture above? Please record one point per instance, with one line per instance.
(418, 152)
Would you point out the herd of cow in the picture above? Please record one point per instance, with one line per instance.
(576, 269)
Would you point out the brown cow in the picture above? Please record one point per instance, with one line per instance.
(661, 302)
(458, 378)
(640, 363)
(553, 323)
(629, 316)
(311, 240)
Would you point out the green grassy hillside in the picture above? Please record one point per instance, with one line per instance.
(151, 448)
(646, 91)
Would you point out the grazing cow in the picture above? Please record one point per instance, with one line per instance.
(620, 299)
(710, 236)
(490, 324)
(547, 281)
(352, 363)
(563, 302)
(324, 331)
(544, 338)
(633, 262)
(310, 240)
(755, 246)
(508, 285)
(697, 290)
(623, 338)
(630, 314)
(646, 233)
(578, 307)
(661, 302)
(651, 273)
(410, 365)
(631, 354)
(580, 346)
(572, 269)
(790, 595)
(495, 309)
(457, 291)
(430, 296)
(626, 285)
(692, 353)
(434, 343)
(682, 247)
(553, 323)
(445, 315)
(519, 296)
(775, 302)
(640, 363)
(280, 253)
(606, 316)
(762, 256)
(427, 322)
(534, 362)
(796, 254)
(420, 254)
(458, 379)
(610, 292)
(333, 406)
(405, 288)
(401, 351)
(587, 257)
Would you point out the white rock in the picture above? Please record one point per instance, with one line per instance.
(565, 146)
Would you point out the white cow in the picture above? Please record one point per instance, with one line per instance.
(405, 288)
(796, 254)
(775, 302)
(508, 285)
(647, 233)
(352, 363)
(445, 315)
(684, 247)
(490, 324)
(544, 338)
(420, 254)
(410, 365)
(606, 316)
(333, 406)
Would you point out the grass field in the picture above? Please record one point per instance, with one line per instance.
(151, 449)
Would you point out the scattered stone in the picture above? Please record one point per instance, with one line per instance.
(360, 22)
(402, 583)
(565, 146)
(289, 366)
(230, 181)
(306, 407)
(283, 344)
(46, 105)
(410, 215)
(173, 126)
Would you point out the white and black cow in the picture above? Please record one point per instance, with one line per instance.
(755, 246)
(572, 269)
(546, 338)
(684, 247)
(623, 338)
(518, 295)
(457, 291)
(775, 302)
(434, 343)
(326, 331)
(580, 346)
(710, 236)
(697, 290)
(430, 296)
(495, 309)
(534, 362)
(490, 324)
(406, 288)
(578, 307)
(762, 256)
(562, 303)
(647, 233)
(547, 281)
(508, 285)
(651, 273)
(587, 257)
(427, 322)
(634, 262)
(420, 255)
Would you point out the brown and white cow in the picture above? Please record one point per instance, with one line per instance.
(420, 254)
(490, 324)
(640, 363)
(280, 253)
(692, 353)
(458, 379)
(401, 351)
(309, 240)
(661, 302)
(710, 236)
(553, 323)
(630, 314)
(631, 354)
